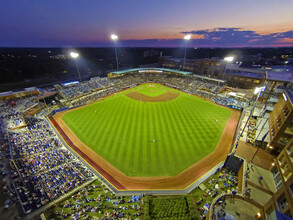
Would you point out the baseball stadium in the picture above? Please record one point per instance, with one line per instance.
(151, 136)
(151, 143)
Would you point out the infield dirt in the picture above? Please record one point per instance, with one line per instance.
(161, 98)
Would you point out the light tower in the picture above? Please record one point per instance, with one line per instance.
(186, 38)
(74, 55)
(114, 37)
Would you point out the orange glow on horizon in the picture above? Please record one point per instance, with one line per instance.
(269, 29)
(286, 40)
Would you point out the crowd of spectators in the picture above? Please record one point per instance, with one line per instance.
(83, 88)
(35, 138)
(188, 84)
(223, 100)
(224, 181)
(42, 167)
(41, 162)
(16, 105)
(96, 200)
(12, 121)
(38, 190)
(89, 91)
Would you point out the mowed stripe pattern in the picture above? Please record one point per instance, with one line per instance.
(123, 130)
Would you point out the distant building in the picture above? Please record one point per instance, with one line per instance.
(170, 63)
(151, 53)
(213, 68)
(218, 68)
(244, 77)
(234, 75)
(251, 58)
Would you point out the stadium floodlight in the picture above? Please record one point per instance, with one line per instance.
(74, 55)
(229, 59)
(186, 38)
(114, 37)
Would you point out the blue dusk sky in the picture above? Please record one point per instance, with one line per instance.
(146, 23)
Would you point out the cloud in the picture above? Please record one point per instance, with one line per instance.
(239, 37)
(221, 37)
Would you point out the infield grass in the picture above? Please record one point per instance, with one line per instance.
(150, 138)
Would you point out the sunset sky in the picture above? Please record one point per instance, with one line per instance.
(146, 23)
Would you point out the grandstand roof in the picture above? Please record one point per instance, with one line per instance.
(6, 93)
(208, 78)
(249, 75)
(150, 69)
(279, 76)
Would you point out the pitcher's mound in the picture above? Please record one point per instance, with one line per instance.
(161, 98)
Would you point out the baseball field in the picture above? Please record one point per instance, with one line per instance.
(150, 130)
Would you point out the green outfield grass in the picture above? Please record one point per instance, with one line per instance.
(123, 130)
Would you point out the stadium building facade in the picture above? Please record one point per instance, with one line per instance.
(213, 68)
(282, 169)
(234, 75)
(281, 122)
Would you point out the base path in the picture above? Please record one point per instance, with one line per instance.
(123, 182)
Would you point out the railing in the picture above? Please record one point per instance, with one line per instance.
(211, 215)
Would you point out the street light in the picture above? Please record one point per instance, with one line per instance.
(186, 38)
(74, 55)
(114, 38)
(228, 60)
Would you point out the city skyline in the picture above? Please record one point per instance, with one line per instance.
(227, 23)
